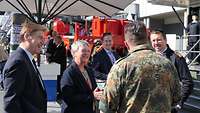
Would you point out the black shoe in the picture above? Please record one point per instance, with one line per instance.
(174, 110)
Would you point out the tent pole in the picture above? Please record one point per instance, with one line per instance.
(95, 8)
(49, 12)
(178, 17)
(39, 13)
(109, 5)
(51, 16)
(29, 16)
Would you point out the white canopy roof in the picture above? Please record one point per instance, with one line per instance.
(178, 3)
(66, 7)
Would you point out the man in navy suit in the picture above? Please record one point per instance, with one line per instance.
(24, 89)
(103, 60)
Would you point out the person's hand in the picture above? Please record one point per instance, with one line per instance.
(176, 108)
(179, 105)
(98, 93)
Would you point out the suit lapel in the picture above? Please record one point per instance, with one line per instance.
(80, 77)
(32, 69)
(107, 58)
(115, 55)
(39, 77)
(91, 78)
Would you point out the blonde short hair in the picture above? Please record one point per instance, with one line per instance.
(30, 27)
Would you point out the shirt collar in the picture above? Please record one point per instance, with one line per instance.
(163, 51)
(194, 21)
(30, 56)
(107, 51)
(141, 47)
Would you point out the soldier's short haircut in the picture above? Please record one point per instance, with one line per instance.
(159, 31)
(138, 29)
(76, 45)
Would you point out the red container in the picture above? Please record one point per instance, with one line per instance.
(113, 26)
(60, 27)
(97, 27)
(123, 24)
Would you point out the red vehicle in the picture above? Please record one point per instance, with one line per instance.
(100, 26)
(95, 31)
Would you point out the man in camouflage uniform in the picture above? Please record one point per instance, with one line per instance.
(159, 43)
(141, 82)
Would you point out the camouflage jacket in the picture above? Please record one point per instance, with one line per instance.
(141, 82)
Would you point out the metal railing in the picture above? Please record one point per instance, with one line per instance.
(191, 49)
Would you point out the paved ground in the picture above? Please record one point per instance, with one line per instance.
(53, 107)
(1, 102)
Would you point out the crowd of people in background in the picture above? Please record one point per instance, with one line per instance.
(151, 78)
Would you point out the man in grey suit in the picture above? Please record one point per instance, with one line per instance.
(23, 85)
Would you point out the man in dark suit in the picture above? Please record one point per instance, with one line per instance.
(78, 85)
(59, 53)
(193, 29)
(23, 85)
(159, 43)
(59, 56)
(51, 46)
(103, 60)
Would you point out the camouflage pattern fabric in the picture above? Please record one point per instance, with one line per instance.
(142, 82)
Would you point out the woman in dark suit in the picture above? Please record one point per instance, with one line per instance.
(78, 86)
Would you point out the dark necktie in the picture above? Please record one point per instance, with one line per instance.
(38, 73)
